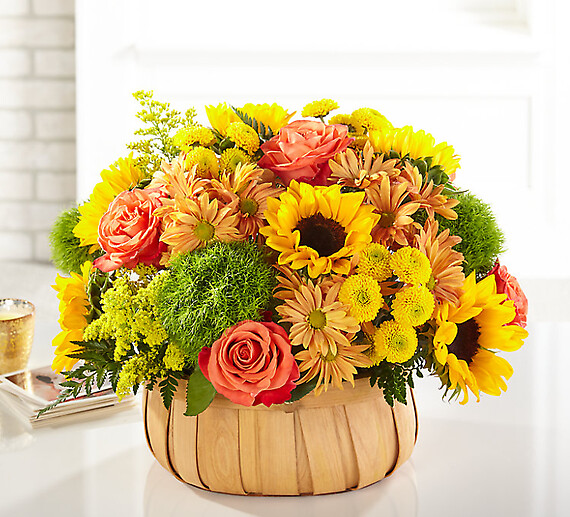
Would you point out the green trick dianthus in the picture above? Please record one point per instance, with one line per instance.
(66, 252)
(209, 290)
(481, 238)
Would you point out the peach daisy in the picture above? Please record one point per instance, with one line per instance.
(318, 322)
(361, 169)
(429, 196)
(194, 222)
(333, 367)
(447, 278)
(395, 210)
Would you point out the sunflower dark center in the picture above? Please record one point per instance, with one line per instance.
(466, 343)
(325, 236)
(387, 219)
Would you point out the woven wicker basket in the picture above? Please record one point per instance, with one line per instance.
(341, 440)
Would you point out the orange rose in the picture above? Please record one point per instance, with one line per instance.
(129, 233)
(302, 149)
(251, 364)
(509, 285)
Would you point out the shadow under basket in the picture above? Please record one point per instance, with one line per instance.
(340, 440)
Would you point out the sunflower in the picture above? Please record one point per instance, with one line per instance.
(466, 335)
(391, 203)
(332, 367)
(319, 322)
(318, 227)
(194, 223)
(120, 176)
(447, 278)
(416, 144)
(74, 309)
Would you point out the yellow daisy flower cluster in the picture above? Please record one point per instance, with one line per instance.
(319, 109)
(205, 161)
(360, 122)
(243, 136)
(188, 137)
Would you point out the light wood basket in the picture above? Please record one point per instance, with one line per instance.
(340, 440)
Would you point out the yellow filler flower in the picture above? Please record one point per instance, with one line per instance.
(74, 309)
(362, 294)
(394, 342)
(318, 227)
(467, 334)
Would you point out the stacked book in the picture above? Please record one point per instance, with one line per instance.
(27, 392)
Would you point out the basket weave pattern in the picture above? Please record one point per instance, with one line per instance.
(341, 440)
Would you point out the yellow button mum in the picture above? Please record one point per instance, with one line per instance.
(362, 294)
(394, 342)
(319, 109)
(318, 227)
(411, 266)
(413, 306)
(374, 261)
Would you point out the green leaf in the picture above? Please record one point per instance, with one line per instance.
(303, 389)
(200, 393)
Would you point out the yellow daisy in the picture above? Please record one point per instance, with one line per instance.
(319, 109)
(332, 367)
(270, 115)
(411, 266)
(368, 119)
(74, 308)
(120, 176)
(318, 322)
(243, 136)
(205, 161)
(187, 137)
(416, 144)
(318, 227)
(362, 294)
(413, 306)
(394, 342)
(468, 335)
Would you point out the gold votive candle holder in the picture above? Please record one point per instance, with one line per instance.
(16, 333)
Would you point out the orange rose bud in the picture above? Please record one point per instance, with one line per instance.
(302, 149)
(129, 233)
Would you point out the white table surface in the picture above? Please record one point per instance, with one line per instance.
(505, 456)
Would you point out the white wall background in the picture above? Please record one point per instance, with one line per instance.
(489, 77)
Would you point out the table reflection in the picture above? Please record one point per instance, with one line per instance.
(395, 496)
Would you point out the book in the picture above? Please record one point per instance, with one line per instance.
(33, 390)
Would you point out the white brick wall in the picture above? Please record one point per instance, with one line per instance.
(37, 123)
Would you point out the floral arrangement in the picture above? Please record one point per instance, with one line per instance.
(265, 257)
